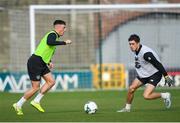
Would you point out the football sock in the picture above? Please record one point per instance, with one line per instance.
(38, 98)
(164, 95)
(128, 106)
(21, 102)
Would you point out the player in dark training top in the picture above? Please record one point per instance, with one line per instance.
(150, 71)
(39, 65)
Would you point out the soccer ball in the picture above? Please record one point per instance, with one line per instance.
(90, 107)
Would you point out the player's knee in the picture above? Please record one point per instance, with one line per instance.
(146, 96)
(52, 82)
(36, 88)
(131, 89)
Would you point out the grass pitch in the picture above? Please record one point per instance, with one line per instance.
(68, 107)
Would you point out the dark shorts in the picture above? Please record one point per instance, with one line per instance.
(154, 79)
(36, 68)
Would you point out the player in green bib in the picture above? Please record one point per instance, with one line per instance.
(39, 65)
(46, 51)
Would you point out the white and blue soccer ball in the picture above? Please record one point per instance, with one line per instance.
(90, 107)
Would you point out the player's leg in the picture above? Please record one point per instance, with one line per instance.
(130, 95)
(132, 88)
(49, 82)
(33, 90)
(27, 95)
(149, 93)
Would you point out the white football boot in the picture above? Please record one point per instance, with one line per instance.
(124, 110)
(167, 100)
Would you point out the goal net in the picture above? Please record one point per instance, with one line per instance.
(99, 55)
(100, 33)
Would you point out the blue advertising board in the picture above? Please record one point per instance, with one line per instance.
(19, 82)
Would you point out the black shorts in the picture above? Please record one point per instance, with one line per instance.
(36, 68)
(154, 79)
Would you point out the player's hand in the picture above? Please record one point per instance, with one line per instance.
(51, 65)
(168, 81)
(68, 41)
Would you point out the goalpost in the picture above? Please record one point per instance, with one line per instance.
(100, 32)
(33, 8)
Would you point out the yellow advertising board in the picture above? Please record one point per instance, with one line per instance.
(113, 76)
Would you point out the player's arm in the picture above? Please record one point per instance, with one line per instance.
(51, 40)
(50, 64)
(152, 59)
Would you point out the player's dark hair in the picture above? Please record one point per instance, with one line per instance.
(59, 22)
(134, 37)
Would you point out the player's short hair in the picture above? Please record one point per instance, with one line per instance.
(134, 37)
(59, 22)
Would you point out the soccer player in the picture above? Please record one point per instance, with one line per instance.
(150, 71)
(39, 65)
